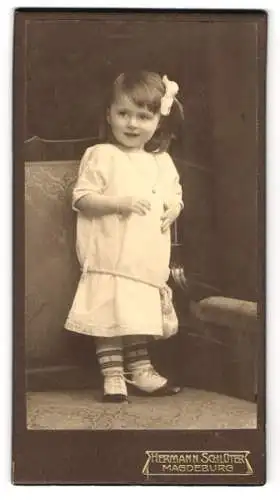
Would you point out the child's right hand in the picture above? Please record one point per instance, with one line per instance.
(132, 204)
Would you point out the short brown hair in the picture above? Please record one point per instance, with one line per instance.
(145, 89)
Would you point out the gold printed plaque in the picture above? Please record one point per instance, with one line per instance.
(206, 463)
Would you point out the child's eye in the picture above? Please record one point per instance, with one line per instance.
(122, 113)
(144, 117)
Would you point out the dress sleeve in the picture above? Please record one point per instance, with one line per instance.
(173, 187)
(93, 174)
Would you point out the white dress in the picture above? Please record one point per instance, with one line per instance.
(124, 259)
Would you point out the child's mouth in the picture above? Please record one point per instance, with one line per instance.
(131, 134)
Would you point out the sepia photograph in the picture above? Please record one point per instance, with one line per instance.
(141, 143)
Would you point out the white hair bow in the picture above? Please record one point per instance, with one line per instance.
(171, 89)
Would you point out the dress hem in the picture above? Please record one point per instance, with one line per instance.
(114, 331)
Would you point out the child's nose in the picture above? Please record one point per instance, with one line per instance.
(132, 121)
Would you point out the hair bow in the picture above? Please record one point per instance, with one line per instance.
(171, 89)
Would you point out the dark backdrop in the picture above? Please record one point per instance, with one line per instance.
(70, 62)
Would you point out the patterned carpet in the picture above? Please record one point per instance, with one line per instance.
(190, 409)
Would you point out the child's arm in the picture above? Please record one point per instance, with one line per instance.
(89, 194)
(96, 205)
(170, 215)
(173, 203)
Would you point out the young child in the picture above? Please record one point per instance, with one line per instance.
(127, 196)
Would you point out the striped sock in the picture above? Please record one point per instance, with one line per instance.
(110, 356)
(136, 356)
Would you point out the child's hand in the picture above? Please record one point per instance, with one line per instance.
(131, 204)
(170, 215)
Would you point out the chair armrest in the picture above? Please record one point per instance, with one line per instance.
(226, 311)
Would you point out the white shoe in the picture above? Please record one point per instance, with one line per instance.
(115, 389)
(147, 380)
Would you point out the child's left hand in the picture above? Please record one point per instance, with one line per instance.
(170, 215)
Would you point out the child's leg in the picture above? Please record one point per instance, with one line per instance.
(110, 357)
(143, 374)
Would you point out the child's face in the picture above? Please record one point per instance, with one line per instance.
(132, 126)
